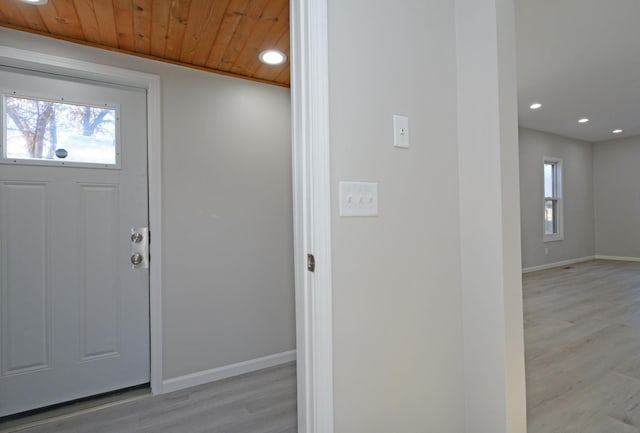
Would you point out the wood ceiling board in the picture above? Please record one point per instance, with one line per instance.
(223, 36)
(253, 65)
(106, 23)
(203, 25)
(58, 21)
(243, 33)
(142, 26)
(177, 28)
(271, 72)
(10, 13)
(48, 17)
(67, 18)
(88, 20)
(123, 15)
(247, 56)
(233, 15)
(30, 17)
(160, 13)
(285, 75)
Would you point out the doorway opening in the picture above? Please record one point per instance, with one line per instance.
(311, 200)
(580, 241)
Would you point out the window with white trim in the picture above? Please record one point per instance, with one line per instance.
(42, 131)
(553, 220)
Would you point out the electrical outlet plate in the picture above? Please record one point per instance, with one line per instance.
(358, 199)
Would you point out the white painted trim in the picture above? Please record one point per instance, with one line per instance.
(214, 374)
(10, 56)
(312, 213)
(154, 156)
(618, 258)
(557, 264)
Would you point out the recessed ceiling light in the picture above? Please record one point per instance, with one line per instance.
(535, 106)
(35, 2)
(583, 120)
(273, 57)
(617, 131)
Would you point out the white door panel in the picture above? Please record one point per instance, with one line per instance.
(74, 315)
(25, 304)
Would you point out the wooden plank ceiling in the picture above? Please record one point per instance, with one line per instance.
(223, 36)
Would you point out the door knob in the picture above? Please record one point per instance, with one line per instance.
(136, 259)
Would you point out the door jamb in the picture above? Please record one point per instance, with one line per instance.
(312, 213)
(15, 57)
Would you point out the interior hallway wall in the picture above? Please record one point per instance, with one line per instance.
(396, 277)
(411, 354)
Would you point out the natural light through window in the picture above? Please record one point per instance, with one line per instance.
(60, 133)
(553, 199)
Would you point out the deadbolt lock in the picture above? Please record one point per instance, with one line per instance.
(139, 247)
(136, 259)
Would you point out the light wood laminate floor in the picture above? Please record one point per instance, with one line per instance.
(582, 348)
(259, 402)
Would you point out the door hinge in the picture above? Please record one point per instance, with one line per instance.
(311, 263)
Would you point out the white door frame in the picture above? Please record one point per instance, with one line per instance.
(10, 56)
(312, 213)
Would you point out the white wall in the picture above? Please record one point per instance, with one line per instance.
(494, 385)
(405, 282)
(227, 211)
(617, 197)
(396, 277)
(577, 192)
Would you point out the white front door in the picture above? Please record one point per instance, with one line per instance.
(74, 311)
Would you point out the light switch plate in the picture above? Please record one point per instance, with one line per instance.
(358, 199)
(400, 131)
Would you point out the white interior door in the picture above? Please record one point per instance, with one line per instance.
(74, 311)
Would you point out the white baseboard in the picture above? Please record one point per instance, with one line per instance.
(620, 259)
(557, 264)
(206, 376)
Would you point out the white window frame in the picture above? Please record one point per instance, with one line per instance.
(557, 198)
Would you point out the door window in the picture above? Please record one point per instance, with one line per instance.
(50, 132)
